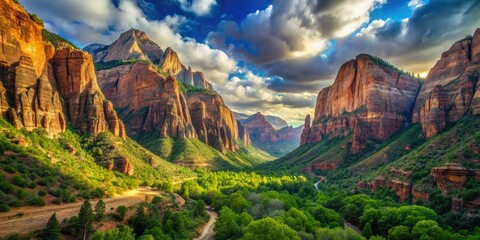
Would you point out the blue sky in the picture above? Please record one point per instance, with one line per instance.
(272, 56)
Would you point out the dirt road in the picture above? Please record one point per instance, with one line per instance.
(208, 232)
(35, 218)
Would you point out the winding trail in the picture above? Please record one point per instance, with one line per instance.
(27, 219)
(208, 232)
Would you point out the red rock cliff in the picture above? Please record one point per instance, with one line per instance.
(27, 98)
(451, 87)
(86, 107)
(147, 100)
(214, 122)
(368, 98)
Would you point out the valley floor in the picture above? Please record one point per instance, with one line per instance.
(27, 219)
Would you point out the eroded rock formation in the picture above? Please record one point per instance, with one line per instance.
(369, 98)
(451, 87)
(86, 107)
(147, 100)
(215, 124)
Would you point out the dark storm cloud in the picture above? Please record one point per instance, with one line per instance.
(290, 28)
(414, 44)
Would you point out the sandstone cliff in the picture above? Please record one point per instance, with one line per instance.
(147, 100)
(214, 122)
(369, 98)
(86, 107)
(451, 87)
(31, 71)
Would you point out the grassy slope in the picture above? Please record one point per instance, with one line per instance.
(194, 153)
(65, 165)
(407, 150)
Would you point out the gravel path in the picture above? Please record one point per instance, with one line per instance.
(35, 218)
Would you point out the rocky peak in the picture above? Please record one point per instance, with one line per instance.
(276, 122)
(170, 63)
(369, 98)
(257, 120)
(451, 87)
(132, 44)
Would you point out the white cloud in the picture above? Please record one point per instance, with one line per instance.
(199, 7)
(249, 94)
(101, 21)
(415, 3)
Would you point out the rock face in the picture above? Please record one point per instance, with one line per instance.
(149, 97)
(20, 36)
(215, 124)
(243, 133)
(265, 136)
(369, 98)
(29, 101)
(86, 107)
(453, 176)
(27, 98)
(451, 87)
(133, 44)
(147, 100)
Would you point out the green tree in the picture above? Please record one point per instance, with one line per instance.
(367, 231)
(399, 233)
(120, 233)
(238, 203)
(52, 230)
(99, 210)
(269, 229)
(146, 237)
(84, 226)
(199, 209)
(428, 229)
(121, 212)
(226, 226)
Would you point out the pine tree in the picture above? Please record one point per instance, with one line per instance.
(367, 231)
(99, 210)
(84, 226)
(52, 230)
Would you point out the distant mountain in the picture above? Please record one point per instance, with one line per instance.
(265, 136)
(276, 122)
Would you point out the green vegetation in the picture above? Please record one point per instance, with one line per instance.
(99, 210)
(52, 230)
(385, 63)
(45, 170)
(186, 88)
(194, 153)
(57, 41)
(84, 223)
(115, 63)
(36, 19)
(289, 207)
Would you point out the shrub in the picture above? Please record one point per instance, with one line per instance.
(4, 208)
(37, 201)
(122, 212)
(42, 193)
